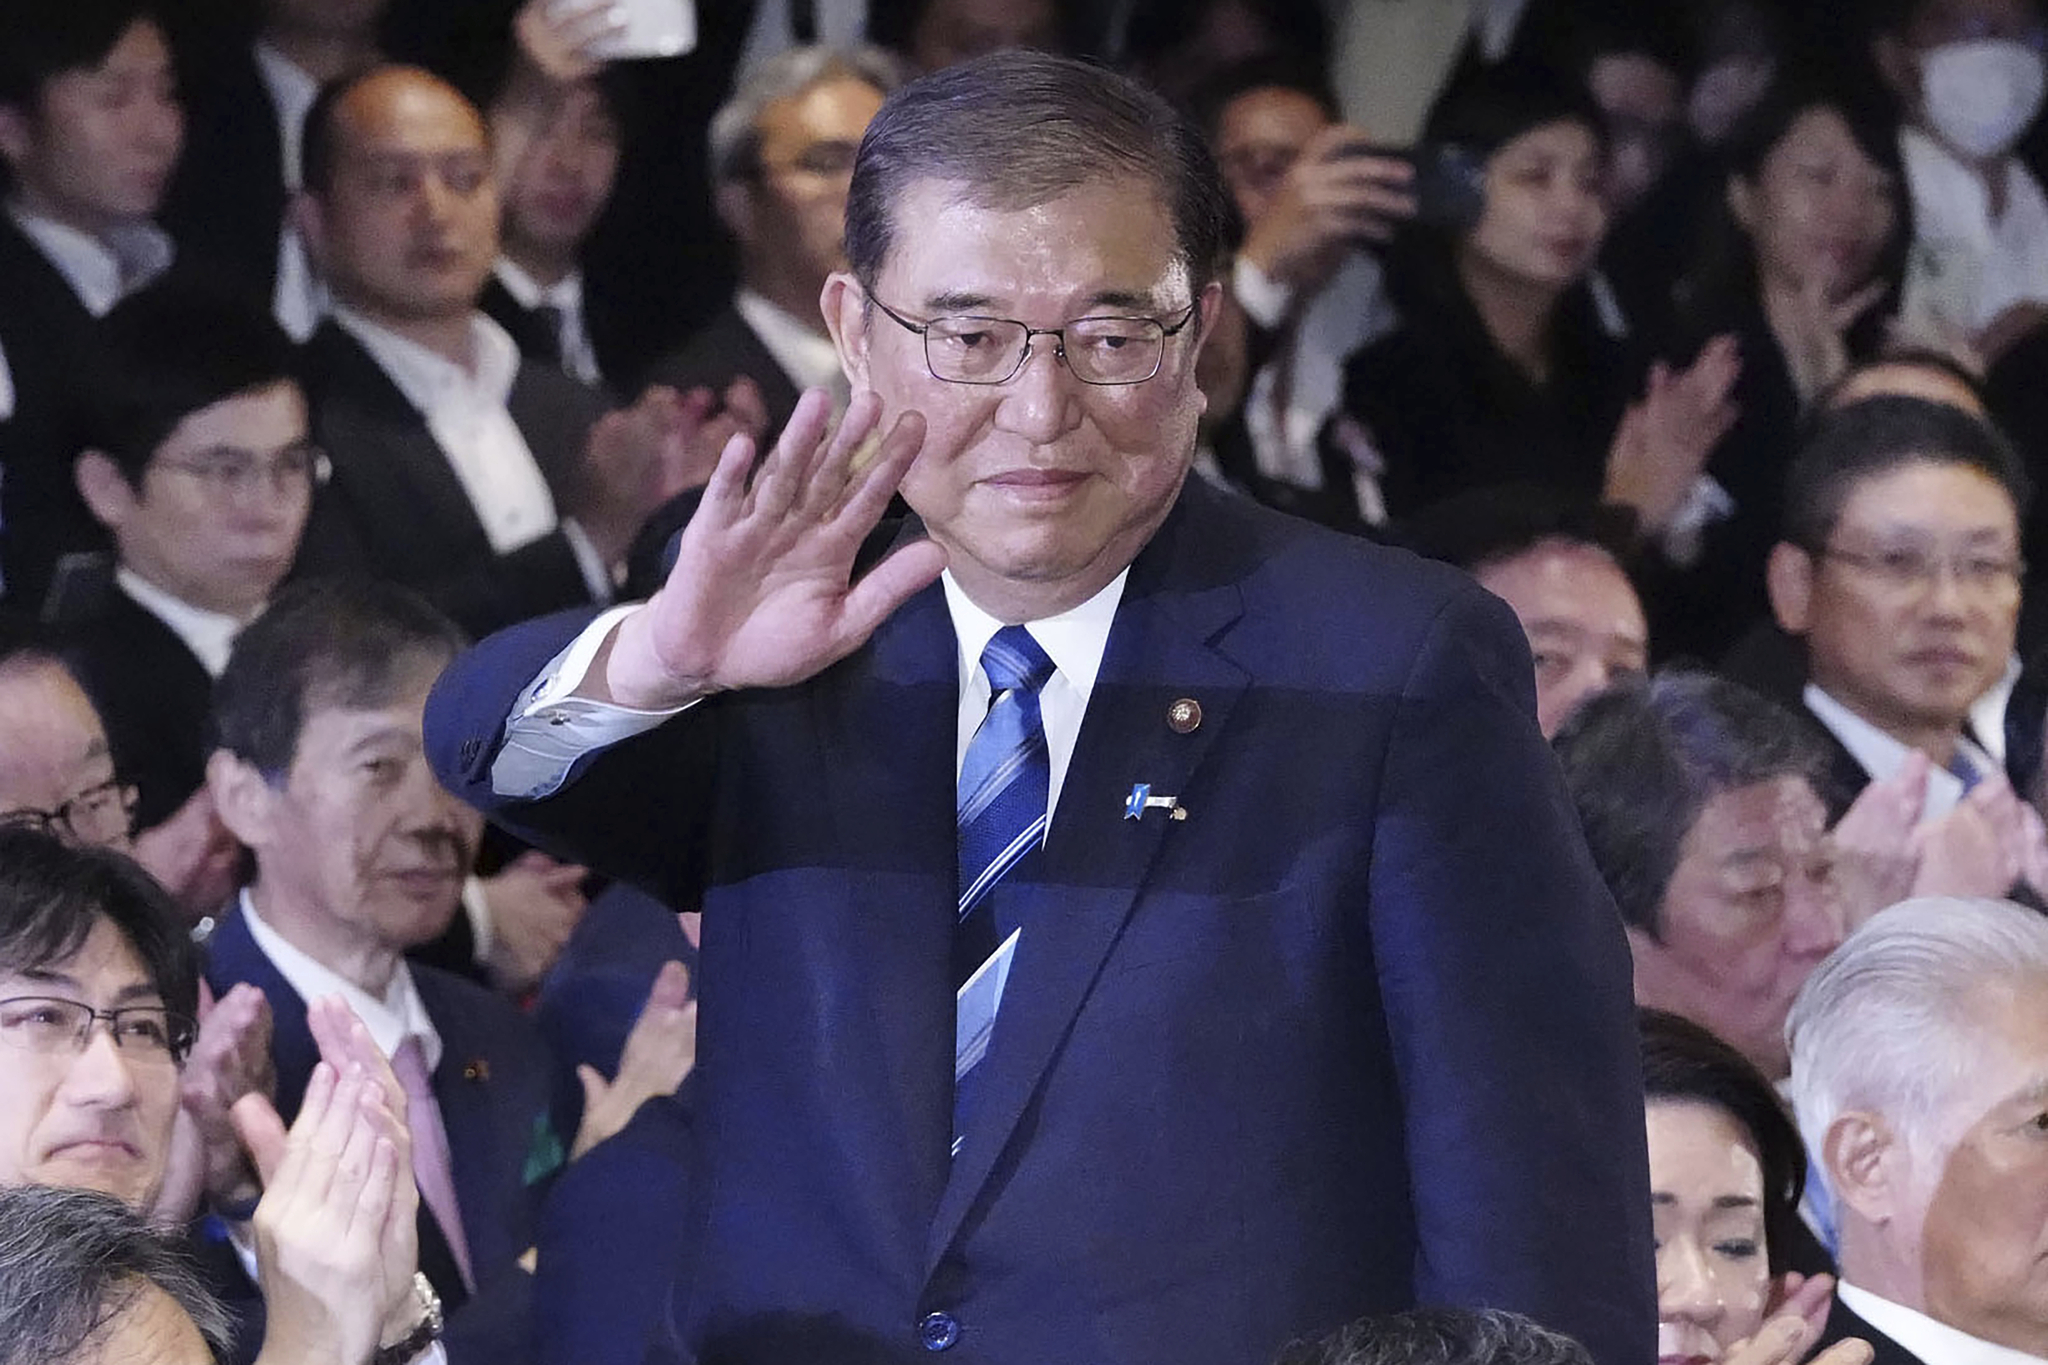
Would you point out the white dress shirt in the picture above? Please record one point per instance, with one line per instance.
(1881, 754)
(210, 635)
(1935, 1343)
(551, 730)
(465, 410)
(100, 270)
(300, 299)
(1965, 267)
(804, 351)
(565, 296)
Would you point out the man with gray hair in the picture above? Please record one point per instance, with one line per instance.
(1920, 1080)
(782, 150)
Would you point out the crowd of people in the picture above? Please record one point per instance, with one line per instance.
(509, 531)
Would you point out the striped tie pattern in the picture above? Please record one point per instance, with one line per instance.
(1001, 809)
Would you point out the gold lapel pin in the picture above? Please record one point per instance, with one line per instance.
(1184, 717)
(477, 1070)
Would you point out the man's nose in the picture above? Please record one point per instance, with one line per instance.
(1813, 916)
(1040, 402)
(100, 1075)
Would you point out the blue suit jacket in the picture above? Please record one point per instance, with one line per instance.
(495, 1093)
(1354, 1035)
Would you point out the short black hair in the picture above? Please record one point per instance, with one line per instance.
(1440, 1336)
(173, 349)
(40, 42)
(1018, 129)
(1486, 526)
(321, 644)
(1641, 763)
(1291, 71)
(1516, 98)
(72, 1260)
(1684, 1062)
(1875, 436)
(53, 893)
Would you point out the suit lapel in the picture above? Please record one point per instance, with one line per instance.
(232, 957)
(1096, 861)
(899, 798)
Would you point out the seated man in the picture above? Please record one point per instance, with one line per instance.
(359, 855)
(487, 484)
(1697, 799)
(1560, 568)
(1899, 565)
(86, 936)
(781, 151)
(89, 130)
(1919, 1061)
(201, 466)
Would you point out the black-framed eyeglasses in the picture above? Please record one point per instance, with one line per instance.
(232, 472)
(967, 348)
(52, 1026)
(97, 815)
(1910, 571)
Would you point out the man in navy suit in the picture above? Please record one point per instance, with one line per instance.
(359, 855)
(1285, 991)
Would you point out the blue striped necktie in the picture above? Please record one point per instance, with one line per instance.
(1001, 809)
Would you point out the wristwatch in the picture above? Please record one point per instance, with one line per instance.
(428, 1331)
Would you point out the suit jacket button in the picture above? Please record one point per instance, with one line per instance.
(938, 1331)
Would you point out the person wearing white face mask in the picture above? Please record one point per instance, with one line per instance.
(1970, 78)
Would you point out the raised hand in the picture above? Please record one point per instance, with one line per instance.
(557, 38)
(336, 1215)
(1335, 195)
(1661, 447)
(1978, 849)
(1812, 328)
(230, 1058)
(1795, 1324)
(1875, 856)
(659, 1053)
(762, 593)
(535, 903)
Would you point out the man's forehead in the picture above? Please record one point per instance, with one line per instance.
(406, 113)
(1098, 242)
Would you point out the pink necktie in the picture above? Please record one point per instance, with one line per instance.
(430, 1161)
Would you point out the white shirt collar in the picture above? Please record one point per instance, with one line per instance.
(292, 92)
(101, 271)
(565, 293)
(1936, 1343)
(805, 353)
(429, 380)
(1074, 640)
(1881, 754)
(210, 635)
(401, 1014)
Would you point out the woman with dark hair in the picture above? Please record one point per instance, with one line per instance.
(1726, 1171)
(1503, 370)
(1803, 267)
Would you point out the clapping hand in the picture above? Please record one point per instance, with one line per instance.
(336, 1241)
(1797, 1319)
(535, 904)
(762, 593)
(1876, 855)
(1812, 330)
(1660, 449)
(659, 1053)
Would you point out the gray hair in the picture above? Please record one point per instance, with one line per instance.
(1440, 1336)
(734, 139)
(72, 1260)
(1889, 1021)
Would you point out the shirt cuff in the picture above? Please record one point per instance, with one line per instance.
(1264, 299)
(476, 903)
(597, 575)
(553, 728)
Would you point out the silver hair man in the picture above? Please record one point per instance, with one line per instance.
(1920, 1081)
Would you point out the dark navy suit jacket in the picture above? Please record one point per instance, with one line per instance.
(493, 1085)
(1354, 1035)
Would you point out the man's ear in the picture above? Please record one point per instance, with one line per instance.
(1866, 1165)
(1788, 577)
(845, 307)
(17, 138)
(242, 797)
(105, 488)
(733, 202)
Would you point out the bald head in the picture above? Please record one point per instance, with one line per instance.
(400, 207)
